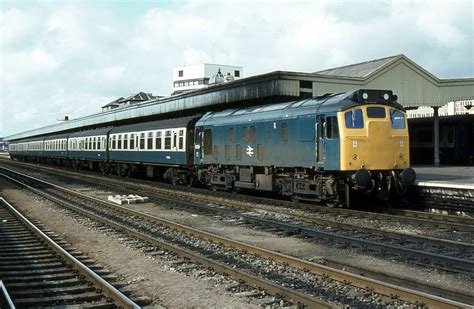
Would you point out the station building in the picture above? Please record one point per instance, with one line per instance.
(415, 87)
(199, 76)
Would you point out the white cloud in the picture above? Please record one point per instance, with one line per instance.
(71, 58)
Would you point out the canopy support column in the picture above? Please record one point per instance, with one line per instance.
(436, 136)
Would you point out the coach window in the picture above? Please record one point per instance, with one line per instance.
(114, 142)
(181, 140)
(375, 112)
(142, 140)
(94, 143)
(98, 144)
(207, 142)
(149, 143)
(158, 140)
(132, 141)
(90, 143)
(174, 139)
(354, 119)
(125, 141)
(167, 139)
(397, 119)
(119, 141)
(332, 130)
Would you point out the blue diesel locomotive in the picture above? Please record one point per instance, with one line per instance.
(316, 149)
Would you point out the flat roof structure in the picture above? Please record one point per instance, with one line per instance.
(414, 86)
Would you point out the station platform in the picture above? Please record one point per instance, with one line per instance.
(445, 176)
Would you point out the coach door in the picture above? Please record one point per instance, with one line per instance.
(320, 139)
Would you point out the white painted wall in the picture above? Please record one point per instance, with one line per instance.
(200, 71)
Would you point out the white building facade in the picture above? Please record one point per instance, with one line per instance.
(452, 108)
(193, 77)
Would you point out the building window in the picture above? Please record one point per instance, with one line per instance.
(237, 73)
(180, 73)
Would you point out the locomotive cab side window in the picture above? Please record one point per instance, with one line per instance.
(397, 119)
(332, 129)
(354, 119)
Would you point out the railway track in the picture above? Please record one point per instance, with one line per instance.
(37, 272)
(141, 231)
(452, 256)
(433, 221)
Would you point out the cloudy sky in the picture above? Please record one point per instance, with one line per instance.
(62, 57)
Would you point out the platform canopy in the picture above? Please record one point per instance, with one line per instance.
(414, 86)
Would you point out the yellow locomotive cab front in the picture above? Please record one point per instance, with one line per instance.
(373, 137)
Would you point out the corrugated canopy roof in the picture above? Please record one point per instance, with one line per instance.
(362, 69)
